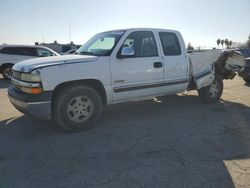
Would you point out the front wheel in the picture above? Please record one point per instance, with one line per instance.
(77, 108)
(212, 93)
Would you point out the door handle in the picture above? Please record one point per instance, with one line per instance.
(157, 64)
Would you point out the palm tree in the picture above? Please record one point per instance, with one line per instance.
(226, 43)
(222, 42)
(218, 42)
(230, 43)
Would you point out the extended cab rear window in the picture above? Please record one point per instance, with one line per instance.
(170, 44)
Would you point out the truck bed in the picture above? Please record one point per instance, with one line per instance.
(226, 62)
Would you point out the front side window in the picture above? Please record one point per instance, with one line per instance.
(43, 52)
(143, 43)
(101, 44)
(170, 44)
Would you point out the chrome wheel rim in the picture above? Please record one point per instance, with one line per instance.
(79, 109)
(214, 89)
(7, 73)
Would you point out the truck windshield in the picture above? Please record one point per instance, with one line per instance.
(101, 44)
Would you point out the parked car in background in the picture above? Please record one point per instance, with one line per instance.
(69, 52)
(245, 72)
(12, 54)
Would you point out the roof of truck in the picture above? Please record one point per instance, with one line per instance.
(152, 29)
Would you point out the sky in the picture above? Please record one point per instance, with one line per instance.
(200, 22)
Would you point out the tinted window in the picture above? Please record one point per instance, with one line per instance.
(43, 52)
(7, 50)
(143, 43)
(27, 51)
(170, 44)
(19, 51)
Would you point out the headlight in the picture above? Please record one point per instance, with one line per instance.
(28, 83)
(30, 77)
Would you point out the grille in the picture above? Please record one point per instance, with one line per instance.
(16, 75)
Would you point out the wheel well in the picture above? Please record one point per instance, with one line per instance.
(95, 84)
(4, 65)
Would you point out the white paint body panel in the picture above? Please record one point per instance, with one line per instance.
(175, 67)
(133, 72)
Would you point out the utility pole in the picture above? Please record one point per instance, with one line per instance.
(69, 32)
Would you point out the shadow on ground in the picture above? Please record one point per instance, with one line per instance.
(172, 142)
(4, 83)
(247, 84)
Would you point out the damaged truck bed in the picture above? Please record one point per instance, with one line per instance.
(226, 63)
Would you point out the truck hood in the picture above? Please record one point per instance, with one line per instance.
(37, 63)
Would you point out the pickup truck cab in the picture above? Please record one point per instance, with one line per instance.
(113, 67)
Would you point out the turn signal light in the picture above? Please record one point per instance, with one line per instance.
(34, 91)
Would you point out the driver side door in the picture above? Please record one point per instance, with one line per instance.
(140, 72)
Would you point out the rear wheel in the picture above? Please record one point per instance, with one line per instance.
(212, 93)
(7, 71)
(77, 108)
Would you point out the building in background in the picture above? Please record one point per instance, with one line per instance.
(60, 48)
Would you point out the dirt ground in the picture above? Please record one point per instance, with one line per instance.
(175, 141)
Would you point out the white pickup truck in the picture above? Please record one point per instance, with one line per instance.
(117, 66)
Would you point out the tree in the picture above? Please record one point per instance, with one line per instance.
(190, 47)
(230, 43)
(222, 42)
(226, 43)
(248, 41)
(218, 42)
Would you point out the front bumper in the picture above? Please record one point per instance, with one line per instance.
(38, 106)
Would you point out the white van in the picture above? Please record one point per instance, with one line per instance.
(12, 54)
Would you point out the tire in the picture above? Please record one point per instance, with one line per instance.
(212, 93)
(77, 108)
(247, 80)
(6, 71)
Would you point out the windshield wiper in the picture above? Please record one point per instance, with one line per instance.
(85, 53)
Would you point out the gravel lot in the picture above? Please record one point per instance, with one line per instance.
(173, 142)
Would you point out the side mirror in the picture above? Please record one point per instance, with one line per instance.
(127, 52)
